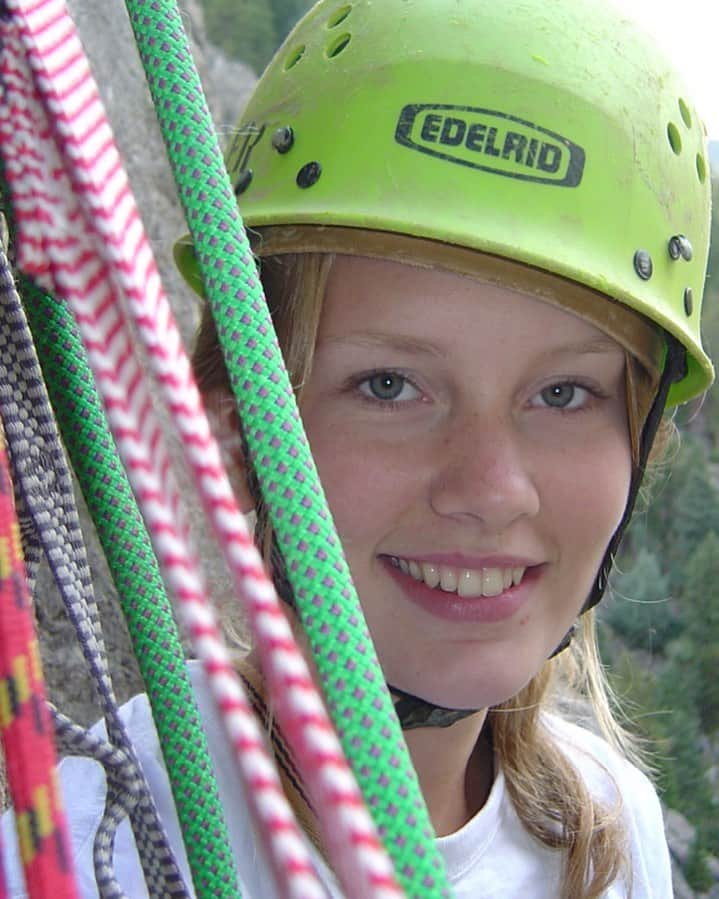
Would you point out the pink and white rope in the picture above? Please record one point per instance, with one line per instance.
(81, 236)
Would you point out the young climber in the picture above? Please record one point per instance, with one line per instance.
(482, 230)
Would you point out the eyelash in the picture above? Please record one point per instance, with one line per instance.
(595, 393)
(355, 384)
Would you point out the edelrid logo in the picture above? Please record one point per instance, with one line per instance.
(491, 141)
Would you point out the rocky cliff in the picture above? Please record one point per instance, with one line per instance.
(108, 40)
(110, 46)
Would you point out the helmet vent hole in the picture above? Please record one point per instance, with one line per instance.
(675, 139)
(685, 112)
(338, 46)
(339, 15)
(294, 56)
(701, 168)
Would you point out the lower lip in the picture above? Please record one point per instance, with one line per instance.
(452, 607)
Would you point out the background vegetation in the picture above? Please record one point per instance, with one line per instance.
(660, 625)
(251, 30)
(660, 633)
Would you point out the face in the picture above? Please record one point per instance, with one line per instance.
(474, 449)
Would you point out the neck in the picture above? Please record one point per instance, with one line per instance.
(454, 765)
(455, 770)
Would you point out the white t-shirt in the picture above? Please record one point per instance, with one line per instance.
(491, 856)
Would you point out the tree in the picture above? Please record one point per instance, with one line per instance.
(681, 758)
(700, 613)
(286, 13)
(244, 29)
(684, 509)
(696, 870)
(251, 30)
(639, 607)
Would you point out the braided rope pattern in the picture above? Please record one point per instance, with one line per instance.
(79, 275)
(72, 739)
(134, 569)
(346, 824)
(42, 478)
(25, 726)
(351, 676)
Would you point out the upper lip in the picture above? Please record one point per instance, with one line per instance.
(469, 561)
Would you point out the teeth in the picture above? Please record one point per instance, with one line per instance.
(448, 578)
(492, 581)
(470, 583)
(466, 582)
(430, 574)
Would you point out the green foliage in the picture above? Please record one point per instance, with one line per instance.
(244, 29)
(696, 870)
(684, 508)
(287, 12)
(251, 30)
(674, 701)
(678, 683)
(639, 608)
(682, 767)
(709, 415)
(700, 611)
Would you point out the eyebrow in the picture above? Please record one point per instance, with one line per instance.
(404, 343)
(595, 345)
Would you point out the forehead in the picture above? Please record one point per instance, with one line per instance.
(369, 295)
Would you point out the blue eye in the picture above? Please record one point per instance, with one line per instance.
(559, 395)
(388, 387)
(564, 396)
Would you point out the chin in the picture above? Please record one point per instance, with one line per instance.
(471, 675)
(477, 693)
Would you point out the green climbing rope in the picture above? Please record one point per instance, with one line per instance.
(352, 679)
(134, 570)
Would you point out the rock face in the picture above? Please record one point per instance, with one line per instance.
(109, 43)
(107, 36)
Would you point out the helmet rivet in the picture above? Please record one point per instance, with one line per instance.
(283, 139)
(309, 174)
(688, 300)
(244, 179)
(643, 265)
(679, 245)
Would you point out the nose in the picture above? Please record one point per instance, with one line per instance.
(483, 473)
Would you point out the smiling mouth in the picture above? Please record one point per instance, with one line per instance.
(465, 582)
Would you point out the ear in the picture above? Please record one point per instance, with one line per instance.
(225, 423)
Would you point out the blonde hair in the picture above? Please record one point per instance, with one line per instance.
(547, 791)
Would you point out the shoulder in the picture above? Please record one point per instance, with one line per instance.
(618, 784)
(83, 787)
(607, 773)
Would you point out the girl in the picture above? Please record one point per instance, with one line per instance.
(482, 230)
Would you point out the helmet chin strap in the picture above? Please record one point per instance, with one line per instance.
(413, 711)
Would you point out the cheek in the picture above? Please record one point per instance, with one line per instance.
(360, 483)
(588, 493)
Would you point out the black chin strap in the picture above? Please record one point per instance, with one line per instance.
(413, 711)
(675, 368)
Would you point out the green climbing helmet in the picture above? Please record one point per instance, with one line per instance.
(553, 135)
